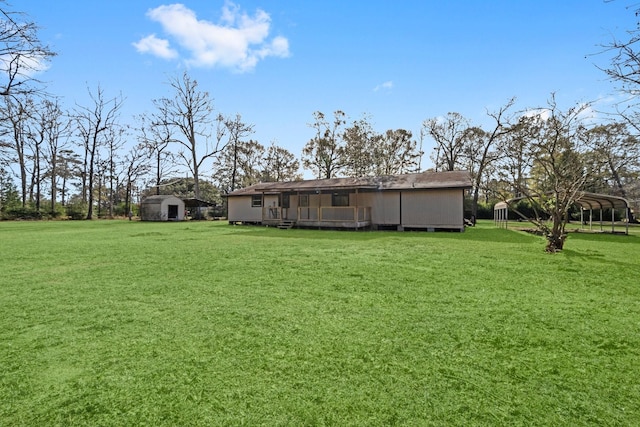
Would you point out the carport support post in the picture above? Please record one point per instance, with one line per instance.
(601, 219)
(626, 231)
(506, 217)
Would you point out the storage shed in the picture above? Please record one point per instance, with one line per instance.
(428, 200)
(162, 208)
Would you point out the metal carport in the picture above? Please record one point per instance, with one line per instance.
(591, 201)
(587, 202)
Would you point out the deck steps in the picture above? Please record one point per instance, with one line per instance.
(286, 224)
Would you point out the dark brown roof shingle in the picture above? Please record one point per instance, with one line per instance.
(424, 180)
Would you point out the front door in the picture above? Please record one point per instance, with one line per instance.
(173, 212)
(284, 203)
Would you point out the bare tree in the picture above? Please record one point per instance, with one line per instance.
(449, 134)
(240, 165)
(555, 151)
(625, 63)
(14, 129)
(35, 137)
(324, 153)
(480, 149)
(113, 144)
(396, 153)
(360, 148)
(95, 125)
(280, 165)
(154, 135)
(188, 114)
(45, 129)
(22, 54)
(236, 148)
(135, 165)
(56, 128)
(70, 168)
(618, 151)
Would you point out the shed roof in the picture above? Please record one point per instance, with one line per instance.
(157, 199)
(412, 181)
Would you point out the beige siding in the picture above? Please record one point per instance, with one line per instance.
(271, 200)
(240, 210)
(385, 206)
(433, 209)
(292, 212)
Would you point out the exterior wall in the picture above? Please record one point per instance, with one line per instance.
(385, 206)
(158, 210)
(165, 209)
(271, 207)
(427, 209)
(240, 210)
(433, 209)
(151, 212)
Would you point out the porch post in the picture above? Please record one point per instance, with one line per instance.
(356, 212)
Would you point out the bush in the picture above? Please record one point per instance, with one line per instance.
(22, 212)
(485, 211)
(77, 210)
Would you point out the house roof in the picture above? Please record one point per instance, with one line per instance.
(412, 181)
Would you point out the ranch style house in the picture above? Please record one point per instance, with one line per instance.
(427, 201)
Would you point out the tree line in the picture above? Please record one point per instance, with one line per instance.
(82, 158)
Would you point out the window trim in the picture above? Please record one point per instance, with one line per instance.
(285, 200)
(338, 199)
(256, 201)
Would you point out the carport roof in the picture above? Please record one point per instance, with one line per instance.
(601, 201)
(197, 203)
(587, 201)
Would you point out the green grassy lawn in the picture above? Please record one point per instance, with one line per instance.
(201, 323)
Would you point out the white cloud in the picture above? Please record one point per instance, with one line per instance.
(539, 113)
(238, 42)
(388, 85)
(587, 113)
(155, 46)
(28, 66)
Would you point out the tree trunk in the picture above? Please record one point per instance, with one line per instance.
(557, 235)
(90, 186)
(54, 171)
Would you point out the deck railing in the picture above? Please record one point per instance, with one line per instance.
(335, 213)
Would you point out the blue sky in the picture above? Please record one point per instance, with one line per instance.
(276, 62)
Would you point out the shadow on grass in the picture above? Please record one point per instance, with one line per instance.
(483, 234)
(605, 237)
